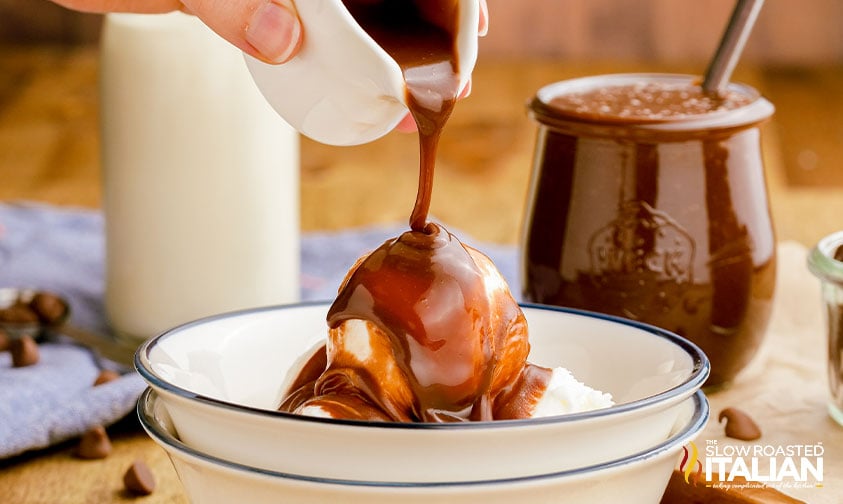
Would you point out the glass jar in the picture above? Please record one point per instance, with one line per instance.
(826, 262)
(661, 220)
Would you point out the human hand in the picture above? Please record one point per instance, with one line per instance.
(269, 30)
(266, 29)
(408, 124)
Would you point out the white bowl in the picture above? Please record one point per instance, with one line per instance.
(221, 379)
(637, 479)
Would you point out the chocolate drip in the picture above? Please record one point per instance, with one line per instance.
(424, 291)
(420, 36)
(460, 350)
(439, 346)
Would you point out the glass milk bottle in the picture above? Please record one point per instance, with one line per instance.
(200, 178)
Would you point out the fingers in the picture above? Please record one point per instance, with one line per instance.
(484, 19)
(466, 90)
(138, 6)
(266, 29)
(407, 125)
(274, 31)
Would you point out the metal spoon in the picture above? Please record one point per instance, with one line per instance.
(102, 345)
(105, 347)
(731, 45)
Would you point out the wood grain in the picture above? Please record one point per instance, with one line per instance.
(49, 152)
(671, 31)
(661, 30)
(49, 146)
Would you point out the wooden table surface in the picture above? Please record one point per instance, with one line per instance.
(49, 152)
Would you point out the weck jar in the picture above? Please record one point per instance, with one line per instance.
(825, 261)
(648, 201)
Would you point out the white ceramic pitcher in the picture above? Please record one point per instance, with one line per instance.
(342, 88)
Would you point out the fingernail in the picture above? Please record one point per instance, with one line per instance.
(483, 29)
(274, 31)
(466, 91)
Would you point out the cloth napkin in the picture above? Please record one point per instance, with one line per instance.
(61, 250)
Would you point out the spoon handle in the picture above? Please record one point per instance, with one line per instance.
(108, 348)
(731, 45)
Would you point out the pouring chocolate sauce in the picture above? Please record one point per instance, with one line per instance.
(421, 37)
(463, 355)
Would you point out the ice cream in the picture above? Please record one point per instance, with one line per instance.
(425, 329)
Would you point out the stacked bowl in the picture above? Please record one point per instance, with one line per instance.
(215, 385)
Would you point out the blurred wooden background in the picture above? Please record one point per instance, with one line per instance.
(49, 148)
(788, 31)
(49, 137)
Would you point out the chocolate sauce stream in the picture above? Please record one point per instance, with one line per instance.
(420, 36)
(457, 346)
(428, 143)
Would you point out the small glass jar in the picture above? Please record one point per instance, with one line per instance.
(826, 262)
(663, 221)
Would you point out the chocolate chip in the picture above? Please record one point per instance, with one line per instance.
(105, 376)
(739, 425)
(139, 479)
(5, 341)
(838, 253)
(18, 313)
(94, 444)
(24, 351)
(49, 307)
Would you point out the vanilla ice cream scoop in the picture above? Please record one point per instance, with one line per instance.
(425, 329)
(565, 394)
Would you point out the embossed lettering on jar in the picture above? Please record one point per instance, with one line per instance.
(648, 201)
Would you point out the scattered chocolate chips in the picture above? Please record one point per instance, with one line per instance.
(105, 376)
(739, 425)
(24, 351)
(139, 479)
(33, 307)
(94, 444)
(49, 307)
(5, 341)
(18, 313)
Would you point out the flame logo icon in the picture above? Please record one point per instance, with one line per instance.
(690, 461)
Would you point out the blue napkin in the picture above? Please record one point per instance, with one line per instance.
(61, 250)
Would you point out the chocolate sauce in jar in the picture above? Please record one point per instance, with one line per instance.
(648, 201)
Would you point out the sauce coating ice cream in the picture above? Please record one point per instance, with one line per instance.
(424, 328)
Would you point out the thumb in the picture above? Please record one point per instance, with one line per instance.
(269, 30)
